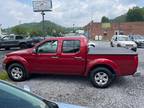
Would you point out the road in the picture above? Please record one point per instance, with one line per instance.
(125, 92)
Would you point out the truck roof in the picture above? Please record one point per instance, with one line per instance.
(69, 37)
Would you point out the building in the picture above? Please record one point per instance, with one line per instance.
(107, 30)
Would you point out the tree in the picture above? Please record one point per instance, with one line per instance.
(19, 30)
(105, 19)
(135, 14)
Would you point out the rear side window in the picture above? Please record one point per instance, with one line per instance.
(71, 46)
(19, 37)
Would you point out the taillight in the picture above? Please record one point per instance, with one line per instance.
(136, 60)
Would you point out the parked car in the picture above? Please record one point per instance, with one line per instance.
(71, 56)
(36, 39)
(123, 41)
(14, 97)
(8, 42)
(91, 44)
(138, 39)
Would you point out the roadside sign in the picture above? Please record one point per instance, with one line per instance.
(42, 5)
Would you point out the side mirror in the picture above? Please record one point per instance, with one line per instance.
(34, 51)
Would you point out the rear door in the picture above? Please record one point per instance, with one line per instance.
(72, 58)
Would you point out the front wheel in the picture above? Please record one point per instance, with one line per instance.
(17, 72)
(111, 44)
(101, 77)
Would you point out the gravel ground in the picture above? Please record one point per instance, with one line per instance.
(125, 92)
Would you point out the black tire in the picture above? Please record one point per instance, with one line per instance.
(23, 73)
(134, 49)
(23, 46)
(99, 83)
(118, 45)
(111, 44)
(7, 48)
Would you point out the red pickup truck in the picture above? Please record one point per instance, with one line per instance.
(71, 56)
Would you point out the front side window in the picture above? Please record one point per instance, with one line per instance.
(48, 47)
(6, 38)
(11, 97)
(71, 46)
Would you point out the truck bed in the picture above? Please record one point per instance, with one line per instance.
(110, 51)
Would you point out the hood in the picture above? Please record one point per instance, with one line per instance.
(25, 51)
(127, 42)
(64, 105)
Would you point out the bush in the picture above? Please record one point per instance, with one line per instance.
(3, 75)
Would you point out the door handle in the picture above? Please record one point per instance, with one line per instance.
(78, 58)
(54, 57)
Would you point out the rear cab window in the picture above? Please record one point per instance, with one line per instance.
(71, 46)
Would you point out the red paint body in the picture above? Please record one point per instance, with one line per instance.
(67, 64)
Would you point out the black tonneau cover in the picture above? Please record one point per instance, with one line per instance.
(111, 51)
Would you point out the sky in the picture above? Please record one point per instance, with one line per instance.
(64, 12)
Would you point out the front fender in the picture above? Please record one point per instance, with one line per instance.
(17, 59)
(106, 62)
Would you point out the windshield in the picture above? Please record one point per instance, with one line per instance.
(138, 37)
(123, 39)
(11, 97)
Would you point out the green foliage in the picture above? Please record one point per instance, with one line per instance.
(121, 18)
(3, 76)
(105, 19)
(135, 14)
(18, 30)
(35, 29)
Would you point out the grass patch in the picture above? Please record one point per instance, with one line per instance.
(3, 75)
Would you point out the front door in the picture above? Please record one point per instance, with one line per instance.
(46, 60)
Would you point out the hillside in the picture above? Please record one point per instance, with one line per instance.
(121, 18)
(134, 14)
(36, 28)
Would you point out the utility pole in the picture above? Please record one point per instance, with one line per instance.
(73, 28)
(43, 25)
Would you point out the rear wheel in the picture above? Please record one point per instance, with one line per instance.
(17, 72)
(111, 44)
(101, 77)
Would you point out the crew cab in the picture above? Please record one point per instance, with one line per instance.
(71, 56)
(8, 42)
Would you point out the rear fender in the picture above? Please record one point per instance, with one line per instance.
(105, 62)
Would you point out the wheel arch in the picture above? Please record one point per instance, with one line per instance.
(104, 66)
(18, 60)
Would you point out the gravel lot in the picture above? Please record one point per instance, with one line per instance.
(125, 92)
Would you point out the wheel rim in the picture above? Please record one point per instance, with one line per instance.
(17, 73)
(23, 46)
(101, 78)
